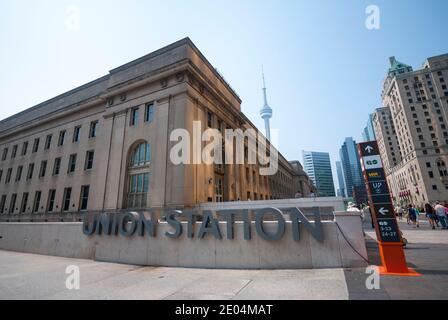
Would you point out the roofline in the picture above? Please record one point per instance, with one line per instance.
(158, 52)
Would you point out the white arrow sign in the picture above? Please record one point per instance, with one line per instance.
(383, 211)
(369, 149)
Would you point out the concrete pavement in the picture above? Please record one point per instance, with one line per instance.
(28, 276)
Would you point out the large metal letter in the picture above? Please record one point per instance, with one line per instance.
(246, 225)
(130, 218)
(88, 229)
(298, 217)
(229, 215)
(190, 223)
(104, 223)
(148, 224)
(172, 221)
(214, 226)
(259, 215)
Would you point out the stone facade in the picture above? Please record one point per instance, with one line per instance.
(412, 131)
(110, 139)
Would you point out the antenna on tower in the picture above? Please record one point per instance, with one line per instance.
(266, 111)
(264, 86)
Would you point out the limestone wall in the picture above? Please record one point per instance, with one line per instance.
(67, 240)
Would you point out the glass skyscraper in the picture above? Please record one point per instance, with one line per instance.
(351, 169)
(368, 134)
(318, 167)
(341, 181)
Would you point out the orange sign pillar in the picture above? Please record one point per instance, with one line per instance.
(387, 231)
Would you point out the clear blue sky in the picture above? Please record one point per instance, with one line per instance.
(323, 67)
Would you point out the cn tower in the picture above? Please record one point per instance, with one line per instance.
(266, 112)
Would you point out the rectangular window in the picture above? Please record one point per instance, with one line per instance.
(12, 204)
(24, 148)
(14, 152)
(149, 112)
(138, 190)
(76, 133)
(36, 145)
(209, 119)
(8, 175)
(84, 200)
(48, 142)
(19, 173)
(134, 117)
(72, 163)
(89, 160)
(61, 139)
(24, 202)
(93, 129)
(67, 196)
(5, 154)
(51, 197)
(43, 169)
(218, 189)
(29, 175)
(36, 203)
(2, 203)
(57, 166)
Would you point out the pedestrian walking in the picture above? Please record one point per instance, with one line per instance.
(430, 215)
(412, 215)
(399, 210)
(417, 216)
(406, 214)
(441, 214)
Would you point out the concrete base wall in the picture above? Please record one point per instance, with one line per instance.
(67, 240)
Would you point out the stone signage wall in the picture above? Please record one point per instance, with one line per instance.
(68, 240)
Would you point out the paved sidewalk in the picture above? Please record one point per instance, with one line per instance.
(427, 252)
(28, 276)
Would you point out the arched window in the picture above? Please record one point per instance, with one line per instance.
(138, 176)
(141, 155)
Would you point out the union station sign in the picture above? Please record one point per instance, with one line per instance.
(140, 223)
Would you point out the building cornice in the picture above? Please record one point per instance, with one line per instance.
(117, 81)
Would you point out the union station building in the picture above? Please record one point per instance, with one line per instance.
(106, 145)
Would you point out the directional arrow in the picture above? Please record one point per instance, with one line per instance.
(383, 211)
(369, 149)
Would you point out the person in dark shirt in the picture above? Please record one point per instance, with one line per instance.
(412, 215)
(431, 215)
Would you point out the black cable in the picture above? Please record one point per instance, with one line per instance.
(351, 246)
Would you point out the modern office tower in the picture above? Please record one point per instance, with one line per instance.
(412, 131)
(266, 112)
(368, 134)
(106, 145)
(351, 168)
(341, 182)
(318, 167)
